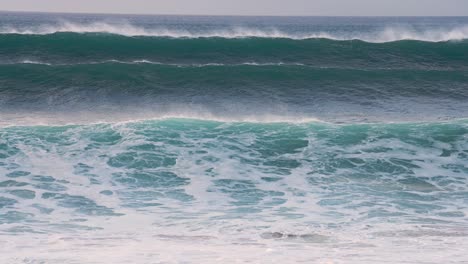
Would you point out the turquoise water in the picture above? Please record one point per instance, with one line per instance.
(207, 140)
(350, 187)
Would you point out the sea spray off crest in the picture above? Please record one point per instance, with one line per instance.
(386, 34)
(260, 139)
(85, 71)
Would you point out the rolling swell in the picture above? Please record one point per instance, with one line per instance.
(224, 77)
(71, 47)
(235, 90)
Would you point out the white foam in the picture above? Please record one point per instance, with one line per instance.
(389, 34)
(35, 62)
(197, 232)
(86, 117)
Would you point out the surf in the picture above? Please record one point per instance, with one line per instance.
(258, 138)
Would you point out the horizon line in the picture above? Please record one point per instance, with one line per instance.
(216, 15)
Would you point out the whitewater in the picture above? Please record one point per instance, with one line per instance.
(196, 139)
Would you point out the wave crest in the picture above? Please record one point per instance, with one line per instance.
(388, 34)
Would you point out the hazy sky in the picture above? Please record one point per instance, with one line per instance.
(248, 7)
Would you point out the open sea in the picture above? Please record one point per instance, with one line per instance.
(202, 139)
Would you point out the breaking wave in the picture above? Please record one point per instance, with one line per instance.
(388, 34)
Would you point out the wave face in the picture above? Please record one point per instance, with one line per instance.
(232, 92)
(72, 47)
(175, 139)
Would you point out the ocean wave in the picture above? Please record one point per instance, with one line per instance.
(89, 48)
(237, 91)
(388, 34)
(143, 61)
(88, 118)
(249, 140)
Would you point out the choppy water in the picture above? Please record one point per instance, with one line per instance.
(142, 139)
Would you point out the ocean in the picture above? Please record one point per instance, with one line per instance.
(211, 139)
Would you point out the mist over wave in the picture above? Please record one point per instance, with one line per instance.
(388, 34)
(118, 91)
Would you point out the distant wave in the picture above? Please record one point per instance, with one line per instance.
(196, 65)
(144, 62)
(94, 48)
(388, 34)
